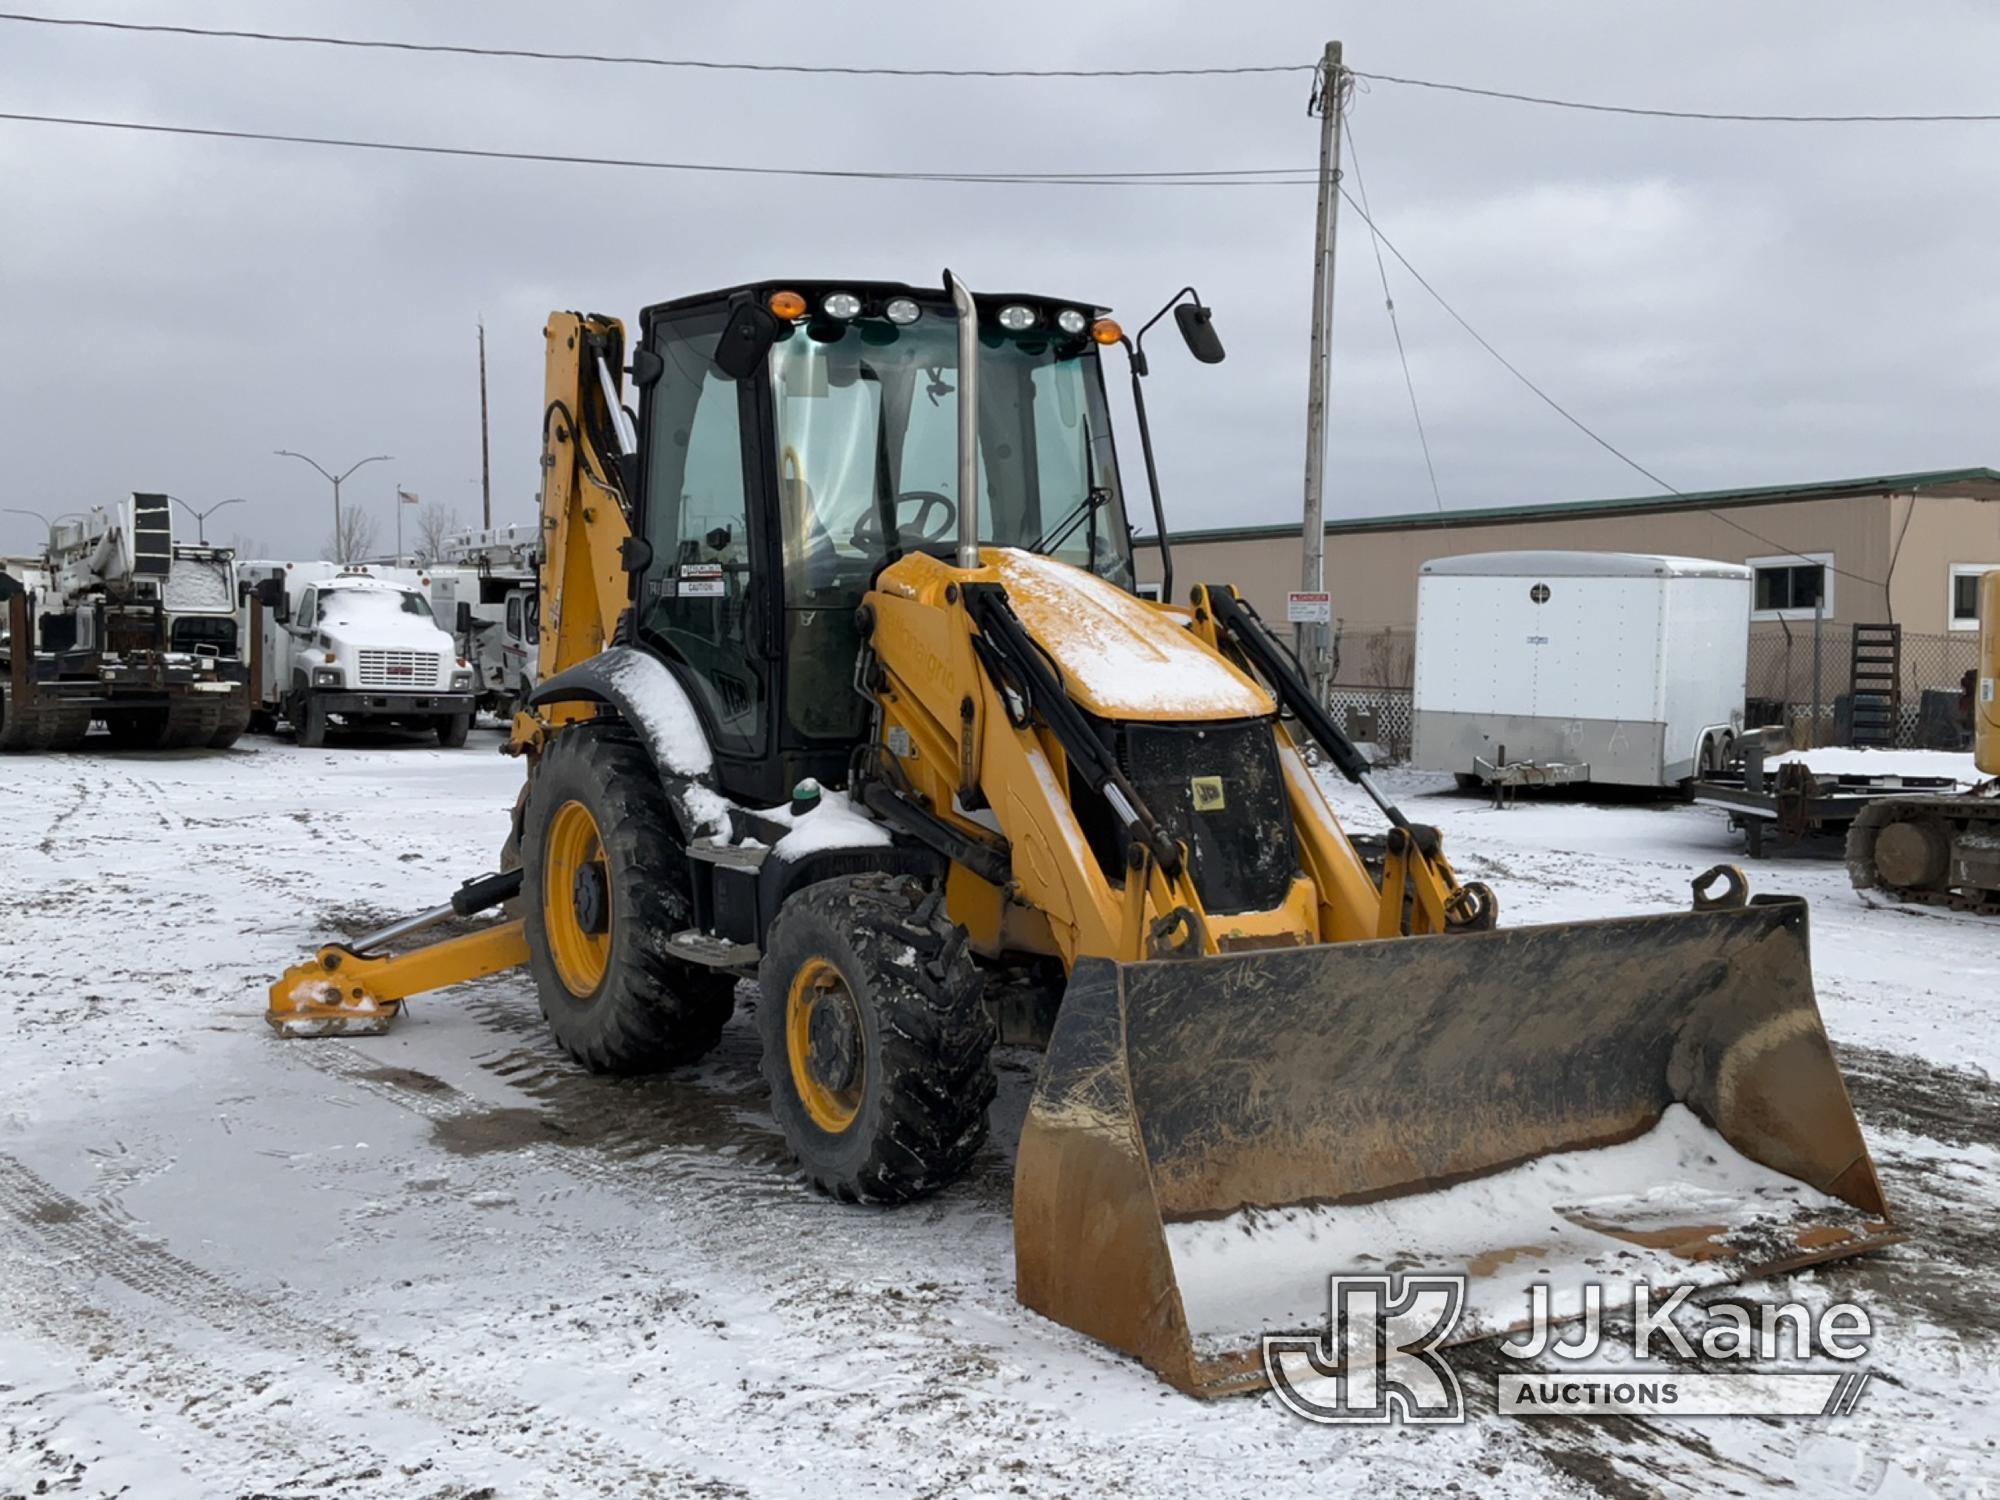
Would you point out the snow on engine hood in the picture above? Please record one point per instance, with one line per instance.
(374, 613)
(1121, 658)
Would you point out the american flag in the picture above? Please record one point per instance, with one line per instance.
(406, 497)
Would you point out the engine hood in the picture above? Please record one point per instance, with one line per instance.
(1121, 658)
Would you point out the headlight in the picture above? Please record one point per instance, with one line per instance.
(1072, 322)
(326, 677)
(902, 310)
(461, 680)
(1014, 317)
(841, 305)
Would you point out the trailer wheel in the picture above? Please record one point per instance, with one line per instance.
(876, 1038)
(602, 889)
(452, 730)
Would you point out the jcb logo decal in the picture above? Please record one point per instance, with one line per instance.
(1207, 793)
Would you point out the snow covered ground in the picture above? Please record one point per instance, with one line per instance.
(446, 1263)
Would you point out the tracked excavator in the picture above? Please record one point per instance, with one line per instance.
(1944, 851)
(845, 688)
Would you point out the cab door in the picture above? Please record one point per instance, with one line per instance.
(699, 597)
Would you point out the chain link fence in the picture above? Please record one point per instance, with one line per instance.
(1934, 704)
(1374, 671)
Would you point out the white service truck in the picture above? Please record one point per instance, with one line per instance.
(1550, 667)
(485, 591)
(357, 645)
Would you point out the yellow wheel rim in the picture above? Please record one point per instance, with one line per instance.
(825, 1045)
(576, 900)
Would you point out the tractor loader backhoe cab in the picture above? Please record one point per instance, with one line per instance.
(844, 687)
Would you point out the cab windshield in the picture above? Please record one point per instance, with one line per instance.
(867, 423)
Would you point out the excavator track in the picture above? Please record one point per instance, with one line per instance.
(1937, 851)
(42, 725)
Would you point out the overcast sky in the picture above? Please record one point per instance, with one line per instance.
(1731, 304)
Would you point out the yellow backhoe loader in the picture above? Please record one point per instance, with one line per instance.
(846, 687)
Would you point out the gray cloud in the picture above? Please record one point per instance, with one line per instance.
(1731, 304)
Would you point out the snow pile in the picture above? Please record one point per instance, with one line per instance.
(1843, 760)
(834, 823)
(193, 586)
(1266, 1270)
(658, 707)
(1114, 648)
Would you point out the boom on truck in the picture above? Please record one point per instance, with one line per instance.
(844, 689)
(125, 625)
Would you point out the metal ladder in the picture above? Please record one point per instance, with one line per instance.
(1875, 685)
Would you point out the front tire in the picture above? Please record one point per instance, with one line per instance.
(452, 730)
(309, 722)
(601, 891)
(876, 1038)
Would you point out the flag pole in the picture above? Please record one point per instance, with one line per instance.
(399, 523)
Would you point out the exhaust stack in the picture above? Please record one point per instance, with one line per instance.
(968, 422)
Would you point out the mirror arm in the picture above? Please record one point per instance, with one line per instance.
(1139, 341)
(1146, 447)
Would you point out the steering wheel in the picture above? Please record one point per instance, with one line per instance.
(866, 529)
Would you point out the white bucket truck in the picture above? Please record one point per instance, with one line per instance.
(357, 645)
(484, 590)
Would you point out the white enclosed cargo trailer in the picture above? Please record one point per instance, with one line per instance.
(1611, 667)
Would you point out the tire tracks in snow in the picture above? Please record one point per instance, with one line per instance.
(89, 1243)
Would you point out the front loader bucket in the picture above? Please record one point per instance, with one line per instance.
(1643, 1098)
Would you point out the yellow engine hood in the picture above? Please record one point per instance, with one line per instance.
(1121, 657)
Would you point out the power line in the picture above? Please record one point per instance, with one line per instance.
(1201, 177)
(1562, 411)
(1395, 326)
(634, 60)
(717, 65)
(1680, 114)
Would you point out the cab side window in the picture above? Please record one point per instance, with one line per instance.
(308, 613)
(696, 599)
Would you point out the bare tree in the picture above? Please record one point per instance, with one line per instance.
(354, 539)
(435, 522)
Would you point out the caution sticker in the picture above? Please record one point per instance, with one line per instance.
(1207, 793)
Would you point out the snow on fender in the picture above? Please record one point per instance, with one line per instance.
(643, 689)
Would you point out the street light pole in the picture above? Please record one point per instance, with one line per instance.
(339, 540)
(201, 516)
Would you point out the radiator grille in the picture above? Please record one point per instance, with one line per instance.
(417, 670)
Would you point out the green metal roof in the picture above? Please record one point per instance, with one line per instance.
(1978, 484)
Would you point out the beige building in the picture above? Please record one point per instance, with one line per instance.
(1891, 549)
(1902, 548)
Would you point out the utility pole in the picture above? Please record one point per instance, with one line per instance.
(485, 453)
(1329, 85)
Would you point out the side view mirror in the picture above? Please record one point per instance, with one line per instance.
(464, 617)
(271, 594)
(1198, 331)
(647, 367)
(746, 339)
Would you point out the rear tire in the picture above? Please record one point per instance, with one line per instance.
(884, 1100)
(614, 1001)
(451, 731)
